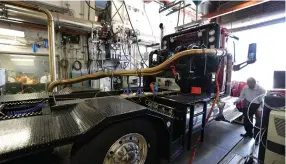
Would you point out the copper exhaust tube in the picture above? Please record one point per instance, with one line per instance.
(51, 40)
(138, 72)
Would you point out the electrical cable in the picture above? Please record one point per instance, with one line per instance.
(211, 110)
(265, 146)
(249, 108)
(148, 19)
(127, 56)
(217, 93)
(117, 11)
(40, 105)
(91, 6)
(135, 35)
(179, 14)
(29, 110)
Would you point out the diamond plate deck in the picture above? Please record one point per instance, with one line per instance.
(24, 135)
(23, 97)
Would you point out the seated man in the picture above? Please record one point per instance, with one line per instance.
(249, 93)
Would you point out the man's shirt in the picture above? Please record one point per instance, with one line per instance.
(251, 94)
(45, 79)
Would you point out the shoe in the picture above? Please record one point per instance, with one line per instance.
(245, 135)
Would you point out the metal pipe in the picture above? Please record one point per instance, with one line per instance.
(228, 74)
(51, 40)
(138, 72)
(40, 18)
(197, 12)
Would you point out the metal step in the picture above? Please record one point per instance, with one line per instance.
(231, 115)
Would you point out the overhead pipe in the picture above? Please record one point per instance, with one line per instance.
(15, 13)
(51, 40)
(138, 72)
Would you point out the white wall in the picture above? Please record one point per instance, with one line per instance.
(79, 8)
(270, 53)
(139, 18)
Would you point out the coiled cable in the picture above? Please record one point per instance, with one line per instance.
(77, 65)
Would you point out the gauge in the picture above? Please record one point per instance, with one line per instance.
(212, 32)
(212, 39)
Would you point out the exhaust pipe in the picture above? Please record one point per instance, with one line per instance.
(51, 40)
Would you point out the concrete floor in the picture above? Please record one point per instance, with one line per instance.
(222, 145)
(220, 139)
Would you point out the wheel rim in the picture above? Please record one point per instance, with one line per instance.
(129, 149)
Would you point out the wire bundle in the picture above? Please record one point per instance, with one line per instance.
(29, 110)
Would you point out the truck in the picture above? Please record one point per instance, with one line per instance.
(145, 124)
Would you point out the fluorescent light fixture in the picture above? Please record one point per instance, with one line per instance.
(9, 32)
(6, 41)
(23, 56)
(22, 60)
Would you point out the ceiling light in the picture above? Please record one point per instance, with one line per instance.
(9, 32)
(22, 60)
(23, 56)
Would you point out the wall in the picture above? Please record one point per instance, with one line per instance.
(146, 18)
(270, 54)
(35, 67)
(78, 8)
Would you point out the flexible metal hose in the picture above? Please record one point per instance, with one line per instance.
(138, 72)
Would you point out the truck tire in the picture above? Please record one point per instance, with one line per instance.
(124, 142)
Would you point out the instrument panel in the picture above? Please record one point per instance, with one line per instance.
(206, 36)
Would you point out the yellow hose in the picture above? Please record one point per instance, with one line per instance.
(138, 72)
